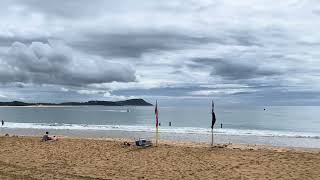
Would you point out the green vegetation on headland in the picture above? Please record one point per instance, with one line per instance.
(130, 102)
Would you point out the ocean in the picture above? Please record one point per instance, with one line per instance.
(297, 126)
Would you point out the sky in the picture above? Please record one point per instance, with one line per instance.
(249, 52)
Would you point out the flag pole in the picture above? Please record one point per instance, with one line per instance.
(157, 136)
(212, 137)
(157, 123)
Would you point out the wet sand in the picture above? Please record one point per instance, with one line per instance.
(71, 158)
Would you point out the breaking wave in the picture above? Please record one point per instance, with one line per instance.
(181, 130)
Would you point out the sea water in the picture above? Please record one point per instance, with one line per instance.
(275, 125)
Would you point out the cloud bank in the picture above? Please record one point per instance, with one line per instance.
(259, 52)
(56, 64)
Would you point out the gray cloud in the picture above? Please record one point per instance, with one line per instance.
(6, 41)
(233, 50)
(240, 71)
(235, 69)
(317, 11)
(135, 44)
(55, 63)
(69, 9)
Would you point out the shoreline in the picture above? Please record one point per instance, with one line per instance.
(81, 158)
(290, 142)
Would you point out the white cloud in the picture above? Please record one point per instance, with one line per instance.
(3, 96)
(220, 92)
(90, 92)
(63, 89)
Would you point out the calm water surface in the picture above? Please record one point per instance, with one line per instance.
(276, 120)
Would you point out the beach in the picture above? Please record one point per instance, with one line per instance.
(83, 158)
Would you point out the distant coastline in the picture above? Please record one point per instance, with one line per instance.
(129, 102)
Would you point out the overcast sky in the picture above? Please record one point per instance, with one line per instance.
(262, 52)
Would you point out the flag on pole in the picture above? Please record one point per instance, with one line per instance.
(213, 121)
(213, 116)
(157, 122)
(156, 113)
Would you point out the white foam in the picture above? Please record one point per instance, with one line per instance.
(180, 130)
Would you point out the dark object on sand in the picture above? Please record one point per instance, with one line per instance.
(46, 137)
(220, 146)
(7, 135)
(125, 144)
(143, 143)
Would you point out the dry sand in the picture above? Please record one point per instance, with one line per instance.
(28, 158)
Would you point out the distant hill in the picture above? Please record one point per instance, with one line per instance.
(130, 102)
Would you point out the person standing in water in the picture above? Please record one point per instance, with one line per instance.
(2, 122)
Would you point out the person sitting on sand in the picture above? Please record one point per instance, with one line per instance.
(46, 137)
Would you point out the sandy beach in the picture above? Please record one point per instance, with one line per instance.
(71, 158)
